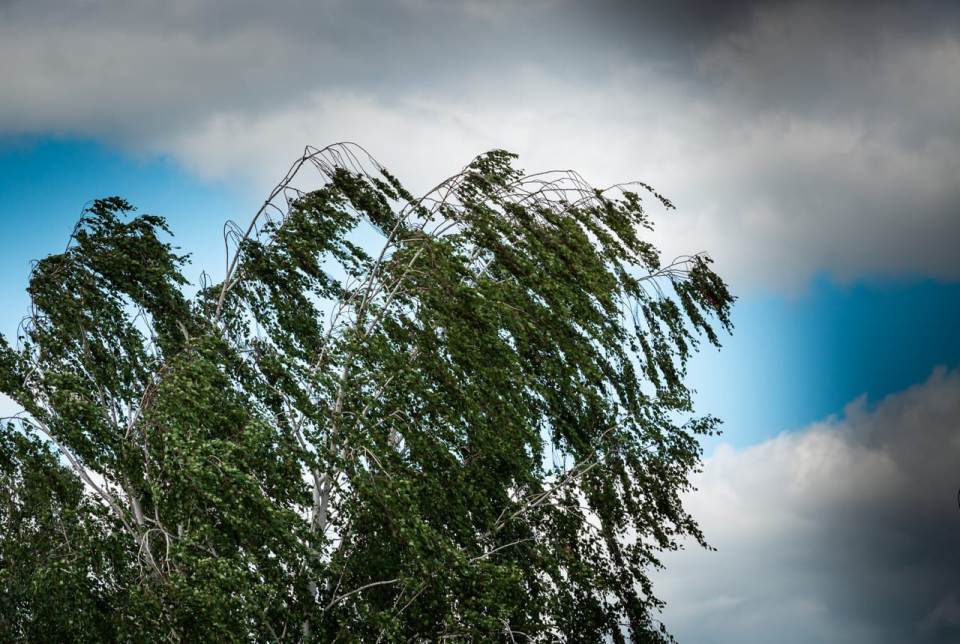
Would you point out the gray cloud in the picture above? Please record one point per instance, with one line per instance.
(797, 138)
(844, 532)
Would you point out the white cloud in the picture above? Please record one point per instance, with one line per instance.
(843, 532)
(775, 200)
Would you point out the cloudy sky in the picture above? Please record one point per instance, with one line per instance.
(812, 149)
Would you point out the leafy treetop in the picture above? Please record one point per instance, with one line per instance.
(460, 416)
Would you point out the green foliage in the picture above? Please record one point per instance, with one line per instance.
(395, 419)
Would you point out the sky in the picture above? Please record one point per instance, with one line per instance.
(812, 149)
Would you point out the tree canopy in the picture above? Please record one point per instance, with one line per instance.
(459, 416)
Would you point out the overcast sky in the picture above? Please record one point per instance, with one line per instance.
(813, 149)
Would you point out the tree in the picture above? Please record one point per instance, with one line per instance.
(395, 419)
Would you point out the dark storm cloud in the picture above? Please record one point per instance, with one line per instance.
(844, 532)
(694, 25)
(663, 28)
(798, 138)
(179, 59)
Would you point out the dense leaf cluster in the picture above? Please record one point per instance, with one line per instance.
(395, 419)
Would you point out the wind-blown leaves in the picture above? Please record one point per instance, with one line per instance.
(395, 419)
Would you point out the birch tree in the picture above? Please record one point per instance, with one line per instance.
(460, 416)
